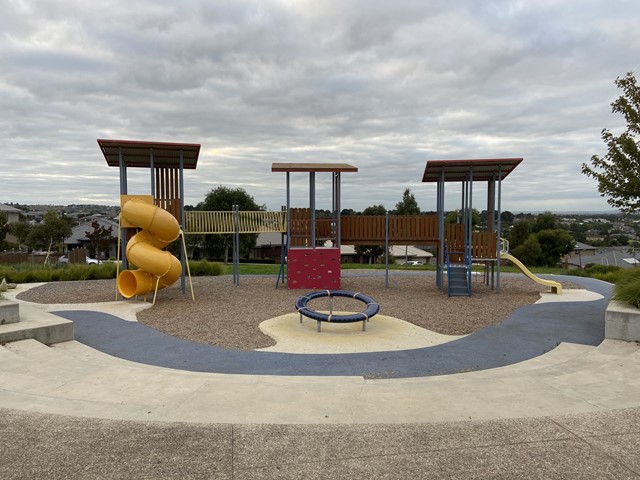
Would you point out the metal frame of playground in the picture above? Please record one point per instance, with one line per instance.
(302, 231)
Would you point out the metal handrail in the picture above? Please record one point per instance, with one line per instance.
(504, 245)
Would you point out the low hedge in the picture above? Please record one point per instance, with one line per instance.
(62, 272)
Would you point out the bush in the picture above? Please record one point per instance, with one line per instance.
(204, 268)
(62, 272)
(627, 288)
(607, 273)
(27, 273)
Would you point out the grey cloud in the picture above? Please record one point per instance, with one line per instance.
(384, 86)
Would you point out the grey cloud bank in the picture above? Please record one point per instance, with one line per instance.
(382, 85)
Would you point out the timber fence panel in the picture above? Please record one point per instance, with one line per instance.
(214, 222)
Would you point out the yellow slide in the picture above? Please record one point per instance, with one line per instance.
(144, 250)
(556, 287)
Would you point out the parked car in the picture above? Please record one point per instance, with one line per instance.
(89, 261)
(412, 263)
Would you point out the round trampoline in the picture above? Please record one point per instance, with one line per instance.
(372, 308)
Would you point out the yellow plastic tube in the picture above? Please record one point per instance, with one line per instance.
(144, 250)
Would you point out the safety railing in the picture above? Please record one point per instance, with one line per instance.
(504, 245)
(203, 222)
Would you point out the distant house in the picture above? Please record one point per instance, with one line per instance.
(78, 237)
(268, 246)
(614, 256)
(580, 255)
(12, 213)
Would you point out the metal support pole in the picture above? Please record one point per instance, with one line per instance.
(183, 253)
(312, 207)
(386, 249)
(441, 236)
(339, 207)
(288, 207)
(499, 228)
(470, 229)
(153, 176)
(334, 218)
(123, 191)
(236, 247)
(491, 227)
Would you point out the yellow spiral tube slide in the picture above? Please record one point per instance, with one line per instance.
(144, 250)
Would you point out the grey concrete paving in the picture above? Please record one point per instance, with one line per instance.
(594, 446)
(70, 411)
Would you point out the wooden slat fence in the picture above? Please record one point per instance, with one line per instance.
(203, 222)
(300, 219)
(355, 229)
(403, 229)
(167, 190)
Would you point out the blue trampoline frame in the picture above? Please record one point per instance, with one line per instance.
(372, 308)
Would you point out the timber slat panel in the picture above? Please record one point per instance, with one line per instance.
(203, 222)
(355, 229)
(370, 229)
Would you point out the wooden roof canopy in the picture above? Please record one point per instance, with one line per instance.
(484, 169)
(137, 153)
(313, 167)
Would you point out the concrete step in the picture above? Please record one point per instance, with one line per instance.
(37, 324)
(563, 355)
(609, 355)
(84, 353)
(47, 363)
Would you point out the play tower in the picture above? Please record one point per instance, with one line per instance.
(159, 215)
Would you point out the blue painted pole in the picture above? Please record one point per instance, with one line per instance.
(386, 248)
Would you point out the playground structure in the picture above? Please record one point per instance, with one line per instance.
(160, 215)
(306, 262)
(313, 266)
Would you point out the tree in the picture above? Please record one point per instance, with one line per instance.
(454, 215)
(507, 217)
(545, 221)
(554, 243)
(222, 199)
(20, 230)
(529, 251)
(4, 229)
(408, 204)
(538, 242)
(371, 251)
(51, 232)
(100, 239)
(618, 172)
(519, 233)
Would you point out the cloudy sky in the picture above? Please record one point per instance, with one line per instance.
(382, 85)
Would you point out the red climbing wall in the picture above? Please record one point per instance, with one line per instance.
(314, 268)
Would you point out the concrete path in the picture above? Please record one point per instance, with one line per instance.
(71, 411)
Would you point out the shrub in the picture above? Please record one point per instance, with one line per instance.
(27, 273)
(204, 268)
(607, 273)
(627, 288)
